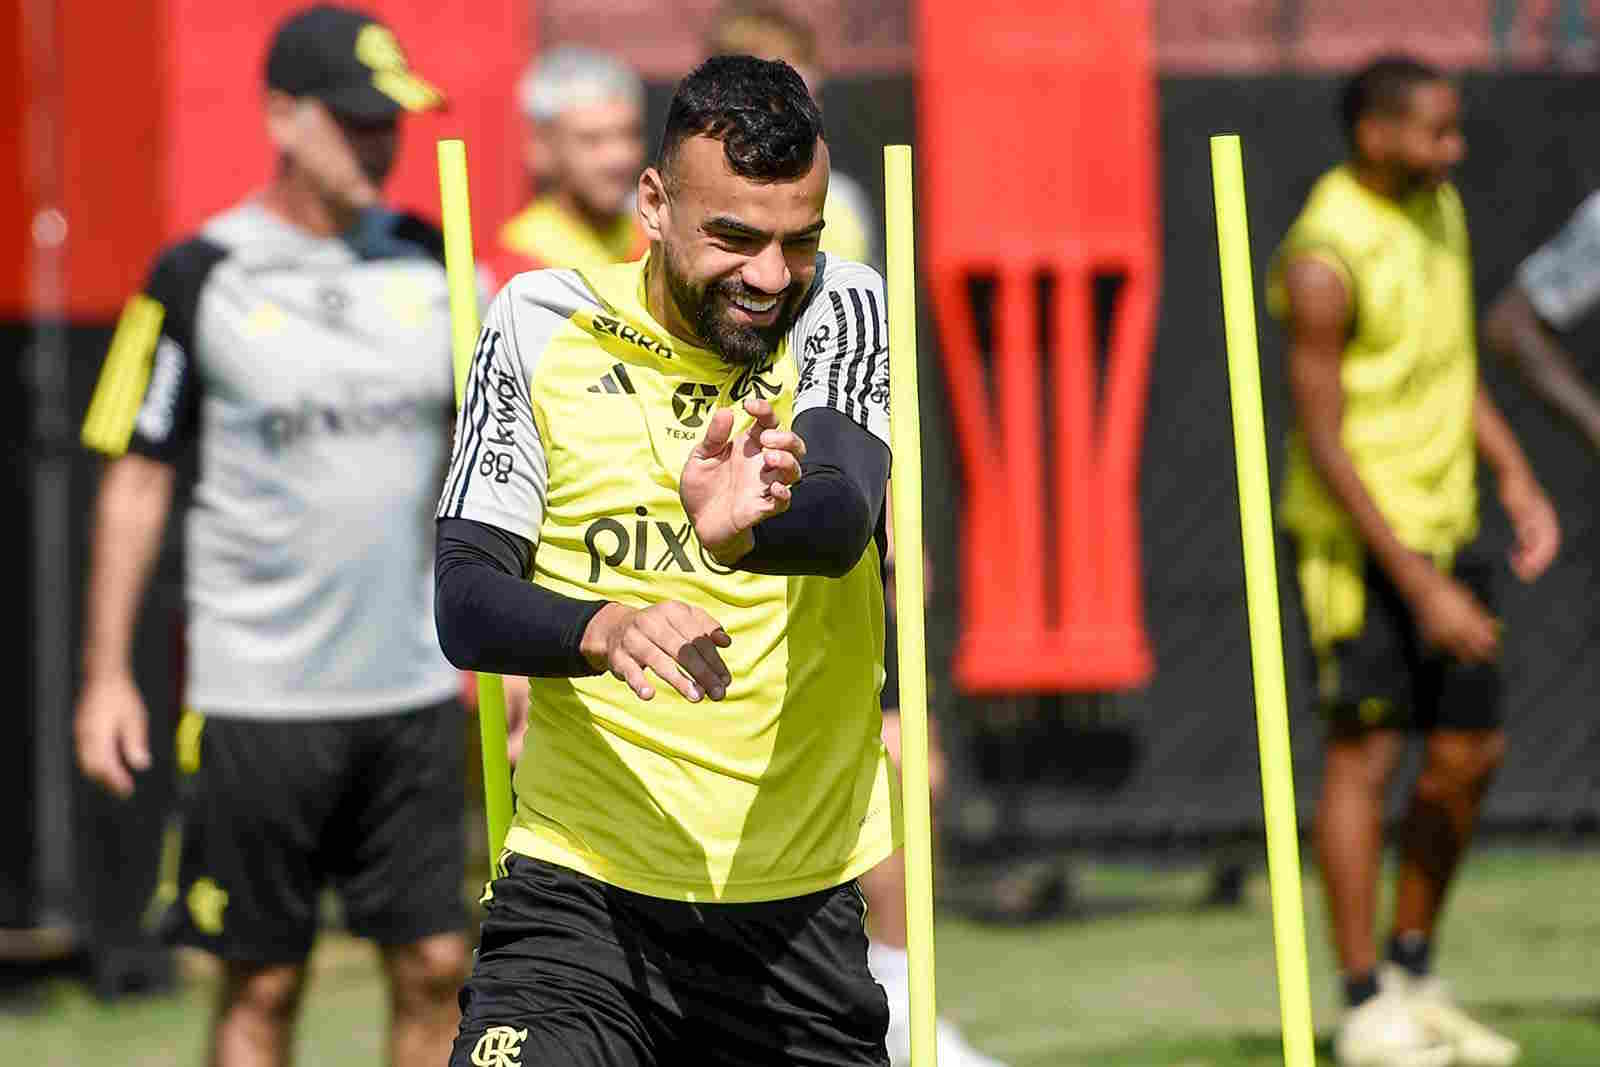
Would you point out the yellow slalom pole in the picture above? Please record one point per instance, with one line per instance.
(464, 338)
(905, 435)
(1261, 589)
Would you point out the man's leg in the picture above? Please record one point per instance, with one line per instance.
(402, 869)
(424, 979)
(884, 888)
(247, 883)
(1349, 843)
(1379, 1028)
(1444, 809)
(885, 885)
(256, 1012)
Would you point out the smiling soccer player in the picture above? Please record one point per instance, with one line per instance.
(666, 508)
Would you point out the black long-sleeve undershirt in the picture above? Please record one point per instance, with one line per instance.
(491, 619)
(834, 507)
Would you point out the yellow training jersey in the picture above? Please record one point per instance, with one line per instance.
(1410, 380)
(579, 415)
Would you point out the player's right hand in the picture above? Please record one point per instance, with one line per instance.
(675, 641)
(112, 732)
(1453, 621)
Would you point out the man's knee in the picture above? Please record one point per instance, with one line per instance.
(263, 996)
(429, 971)
(1364, 760)
(1461, 761)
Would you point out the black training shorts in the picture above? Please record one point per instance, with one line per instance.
(1387, 678)
(277, 810)
(576, 972)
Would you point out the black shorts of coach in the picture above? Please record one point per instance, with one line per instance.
(1387, 678)
(575, 972)
(274, 812)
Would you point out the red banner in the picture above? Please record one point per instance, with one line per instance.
(1039, 161)
(132, 132)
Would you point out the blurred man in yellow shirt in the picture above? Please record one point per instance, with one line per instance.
(585, 143)
(1374, 281)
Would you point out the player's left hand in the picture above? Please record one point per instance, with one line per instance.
(1538, 531)
(729, 484)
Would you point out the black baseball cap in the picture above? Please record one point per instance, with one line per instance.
(348, 60)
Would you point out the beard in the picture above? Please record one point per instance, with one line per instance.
(707, 309)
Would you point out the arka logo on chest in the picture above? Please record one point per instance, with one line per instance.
(629, 335)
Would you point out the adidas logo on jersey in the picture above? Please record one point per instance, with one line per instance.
(615, 382)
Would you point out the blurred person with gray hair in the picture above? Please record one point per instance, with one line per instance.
(584, 149)
(769, 30)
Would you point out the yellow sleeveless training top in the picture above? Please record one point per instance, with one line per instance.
(1410, 379)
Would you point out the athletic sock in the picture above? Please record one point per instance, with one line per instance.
(1412, 951)
(1360, 989)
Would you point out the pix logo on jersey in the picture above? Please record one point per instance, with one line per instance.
(654, 544)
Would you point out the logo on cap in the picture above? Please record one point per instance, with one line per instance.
(377, 50)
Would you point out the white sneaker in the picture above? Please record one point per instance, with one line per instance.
(1475, 1044)
(1384, 1032)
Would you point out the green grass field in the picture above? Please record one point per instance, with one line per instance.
(1167, 986)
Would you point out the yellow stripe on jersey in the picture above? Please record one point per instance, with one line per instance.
(108, 426)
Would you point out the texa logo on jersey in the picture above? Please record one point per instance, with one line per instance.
(692, 401)
(644, 545)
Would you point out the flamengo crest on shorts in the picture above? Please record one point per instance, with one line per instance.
(500, 1046)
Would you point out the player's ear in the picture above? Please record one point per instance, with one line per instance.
(536, 149)
(654, 211)
(282, 123)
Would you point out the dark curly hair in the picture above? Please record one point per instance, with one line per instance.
(758, 108)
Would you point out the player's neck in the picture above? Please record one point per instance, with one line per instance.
(659, 303)
(1387, 182)
(290, 197)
